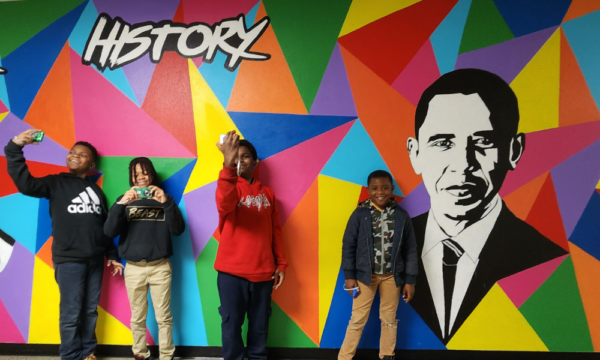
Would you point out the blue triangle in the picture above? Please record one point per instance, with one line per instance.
(273, 133)
(30, 63)
(413, 333)
(583, 34)
(175, 185)
(220, 79)
(44, 224)
(446, 38)
(355, 158)
(18, 221)
(3, 92)
(77, 41)
(526, 17)
(587, 232)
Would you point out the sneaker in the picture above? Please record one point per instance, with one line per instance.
(140, 357)
(392, 357)
(91, 357)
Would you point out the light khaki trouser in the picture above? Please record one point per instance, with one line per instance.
(156, 275)
(361, 306)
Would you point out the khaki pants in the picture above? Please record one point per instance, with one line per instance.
(157, 275)
(390, 295)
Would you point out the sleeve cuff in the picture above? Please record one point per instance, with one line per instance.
(349, 274)
(410, 279)
(282, 268)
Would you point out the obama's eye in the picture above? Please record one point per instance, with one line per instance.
(442, 144)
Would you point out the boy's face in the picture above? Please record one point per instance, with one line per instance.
(79, 159)
(380, 190)
(247, 163)
(141, 177)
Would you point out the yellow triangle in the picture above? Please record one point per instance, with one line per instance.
(496, 324)
(537, 88)
(211, 120)
(45, 300)
(111, 331)
(2, 116)
(337, 201)
(363, 12)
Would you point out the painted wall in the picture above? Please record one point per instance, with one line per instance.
(335, 101)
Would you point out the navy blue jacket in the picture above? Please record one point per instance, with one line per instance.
(358, 252)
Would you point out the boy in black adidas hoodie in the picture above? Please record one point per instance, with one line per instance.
(78, 211)
(145, 226)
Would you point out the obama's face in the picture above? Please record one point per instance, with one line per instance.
(462, 158)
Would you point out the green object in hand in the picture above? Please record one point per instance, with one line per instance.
(38, 136)
(144, 192)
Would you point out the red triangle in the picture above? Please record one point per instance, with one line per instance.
(52, 108)
(37, 169)
(387, 116)
(576, 104)
(9, 332)
(545, 215)
(581, 7)
(521, 200)
(387, 45)
(178, 17)
(169, 99)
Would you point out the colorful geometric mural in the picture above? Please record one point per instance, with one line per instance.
(335, 101)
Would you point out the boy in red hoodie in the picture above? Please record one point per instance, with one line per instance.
(250, 258)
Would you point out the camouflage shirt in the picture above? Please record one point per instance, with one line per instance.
(383, 230)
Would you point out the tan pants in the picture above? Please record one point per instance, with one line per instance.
(361, 306)
(156, 275)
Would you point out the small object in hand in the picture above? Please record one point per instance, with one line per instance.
(355, 293)
(38, 136)
(144, 192)
(222, 138)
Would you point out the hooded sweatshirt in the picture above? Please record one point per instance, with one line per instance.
(77, 207)
(145, 227)
(251, 243)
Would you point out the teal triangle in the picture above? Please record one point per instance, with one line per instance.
(44, 224)
(3, 92)
(16, 219)
(446, 38)
(355, 158)
(77, 41)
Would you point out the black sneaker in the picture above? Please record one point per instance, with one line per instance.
(392, 357)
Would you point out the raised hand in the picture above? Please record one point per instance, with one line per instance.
(230, 148)
(158, 194)
(26, 138)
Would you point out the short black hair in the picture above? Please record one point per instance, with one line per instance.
(91, 147)
(250, 147)
(495, 93)
(377, 174)
(147, 168)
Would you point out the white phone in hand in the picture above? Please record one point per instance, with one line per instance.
(222, 138)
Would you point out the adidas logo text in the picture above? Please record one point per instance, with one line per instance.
(86, 203)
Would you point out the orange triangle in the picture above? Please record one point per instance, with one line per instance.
(521, 200)
(299, 298)
(45, 252)
(587, 271)
(52, 108)
(545, 215)
(266, 86)
(387, 116)
(581, 7)
(576, 104)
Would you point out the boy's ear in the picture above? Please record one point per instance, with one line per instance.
(92, 166)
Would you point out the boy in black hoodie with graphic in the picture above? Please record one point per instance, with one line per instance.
(78, 210)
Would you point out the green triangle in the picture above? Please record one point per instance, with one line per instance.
(556, 313)
(21, 20)
(307, 31)
(484, 27)
(116, 172)
(284, 332)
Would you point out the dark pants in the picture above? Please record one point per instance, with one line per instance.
(238, 298)
(79, 285)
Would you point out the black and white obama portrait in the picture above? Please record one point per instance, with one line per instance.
(6, 249)
(466, 141)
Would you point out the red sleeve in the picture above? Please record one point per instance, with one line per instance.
(278, 251)
(227, 194)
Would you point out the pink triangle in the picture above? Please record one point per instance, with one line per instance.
(210, 11)
(291, 172)
(113, 298)
(3, 108)
(520, 286)
(9, 333)
(418, 74)
(112, 122)
(548, 148)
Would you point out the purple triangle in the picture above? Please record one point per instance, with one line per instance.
(574, 182)
(334, 96)
(139, 74)
(508, 58)
(137, 11)
(203, 217)
(48, 151)
(16, 284)
(417, 202)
